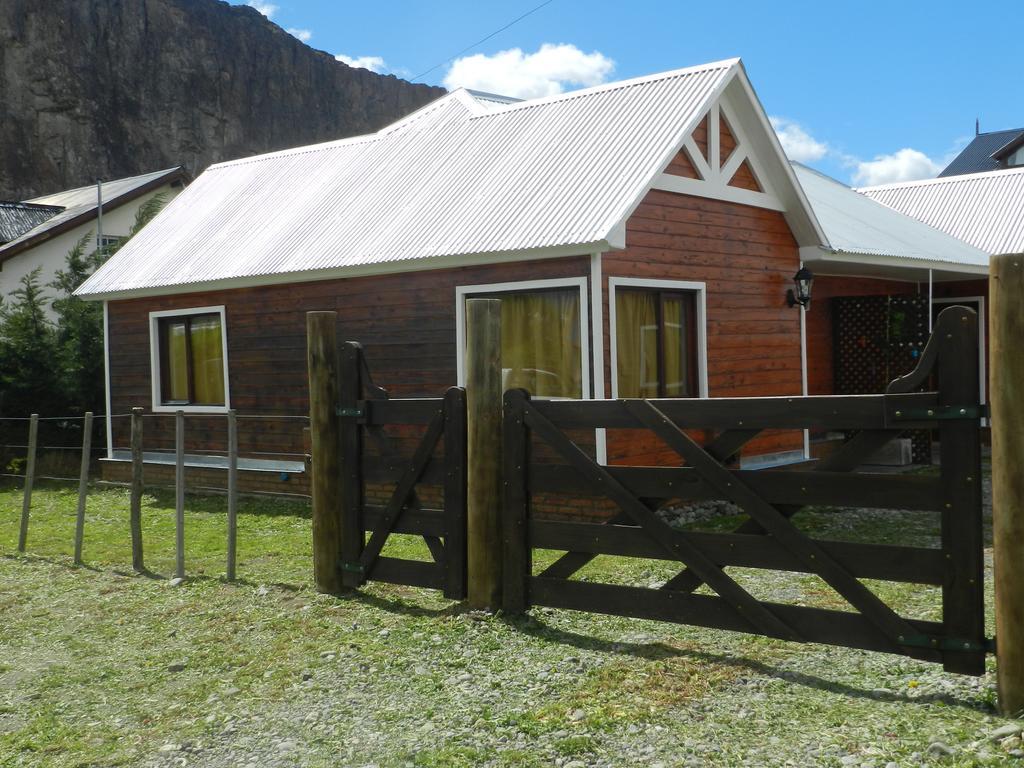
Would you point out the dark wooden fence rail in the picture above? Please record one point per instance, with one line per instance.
(770, 498)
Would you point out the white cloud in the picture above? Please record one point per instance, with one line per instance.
(904, 165)
(267, 9)
(530, 75)
(797, 142)
(372, 63)
(303, 34)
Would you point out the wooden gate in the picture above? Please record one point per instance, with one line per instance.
(768, 539)
(385, 472)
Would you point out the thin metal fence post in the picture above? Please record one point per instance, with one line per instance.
(30, 473)
(232, 491)
(135, 514)
(83, 485)
(179, 494)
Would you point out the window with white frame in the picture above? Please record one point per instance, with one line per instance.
(544, 343)
(189, 359)
(658, 339)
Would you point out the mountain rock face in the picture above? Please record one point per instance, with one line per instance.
(110, 88)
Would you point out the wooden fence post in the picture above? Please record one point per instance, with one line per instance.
(483, 426)
(135, 513)
(232, 491)
(179, 494)
(324, 395)
(350, 462)
(518, 554)
(83, 485)
(1006, 388)
(30, 475)
(455, 493)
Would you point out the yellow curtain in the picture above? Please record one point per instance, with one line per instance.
(207, 360)
(636, 343)
(540, 343)
(677, 352)
(177, 361)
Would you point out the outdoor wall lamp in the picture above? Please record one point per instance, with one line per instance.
(802, 295)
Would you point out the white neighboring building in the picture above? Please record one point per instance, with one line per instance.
(984, 209)
(40, 232)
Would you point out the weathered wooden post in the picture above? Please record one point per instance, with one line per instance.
(135, 511)
(324, 427)
(232, 492)
(30, 476)
(1006, 388)
(483, 425)
(179, 494)
(83, 485)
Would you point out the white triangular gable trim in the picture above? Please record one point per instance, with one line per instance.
(782, 191)
(715, 176)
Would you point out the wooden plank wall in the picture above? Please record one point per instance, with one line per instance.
(747, 257)
(406, 323)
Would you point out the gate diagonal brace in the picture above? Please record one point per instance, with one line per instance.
(726, 443)
(402, 491)
(845, 459)
(815, 559)
(678, 546)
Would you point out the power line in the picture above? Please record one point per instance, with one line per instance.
(482, 40)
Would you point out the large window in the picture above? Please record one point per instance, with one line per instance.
(189, 359)
(543, 344)
(656, 343)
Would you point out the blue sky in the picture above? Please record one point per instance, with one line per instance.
(868, 92)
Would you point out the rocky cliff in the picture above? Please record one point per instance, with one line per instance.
(110, 88)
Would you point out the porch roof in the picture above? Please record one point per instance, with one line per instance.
(866, 236)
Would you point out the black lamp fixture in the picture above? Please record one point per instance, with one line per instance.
(801, 296)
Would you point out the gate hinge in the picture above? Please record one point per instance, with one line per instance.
(988, 645)
(351, 567)
(941, 413)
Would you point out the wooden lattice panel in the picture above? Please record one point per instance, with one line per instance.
(878, 339)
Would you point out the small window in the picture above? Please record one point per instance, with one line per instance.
(191, 359)
(541, 347)
(656, 343)
(108, 241)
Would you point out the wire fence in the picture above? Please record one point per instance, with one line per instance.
(94, 445)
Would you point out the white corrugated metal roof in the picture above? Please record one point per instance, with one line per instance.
(855, 224)
(457, 177)
(83, 200)
(983, 209)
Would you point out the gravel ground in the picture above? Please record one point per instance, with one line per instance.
(102, 668)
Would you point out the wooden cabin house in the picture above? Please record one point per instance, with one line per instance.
(643, 235)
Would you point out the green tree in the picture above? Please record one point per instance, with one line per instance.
(28, 381)
(79, 334)
(51, 368)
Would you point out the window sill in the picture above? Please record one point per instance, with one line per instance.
(206, 461)
(191, 409)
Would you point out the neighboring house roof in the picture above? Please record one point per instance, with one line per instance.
(18, 218)
(465, 176)
(857, 226)
(78, 206)
(982, 154)
(983, 209)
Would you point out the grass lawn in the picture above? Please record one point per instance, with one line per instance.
(102, 667)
